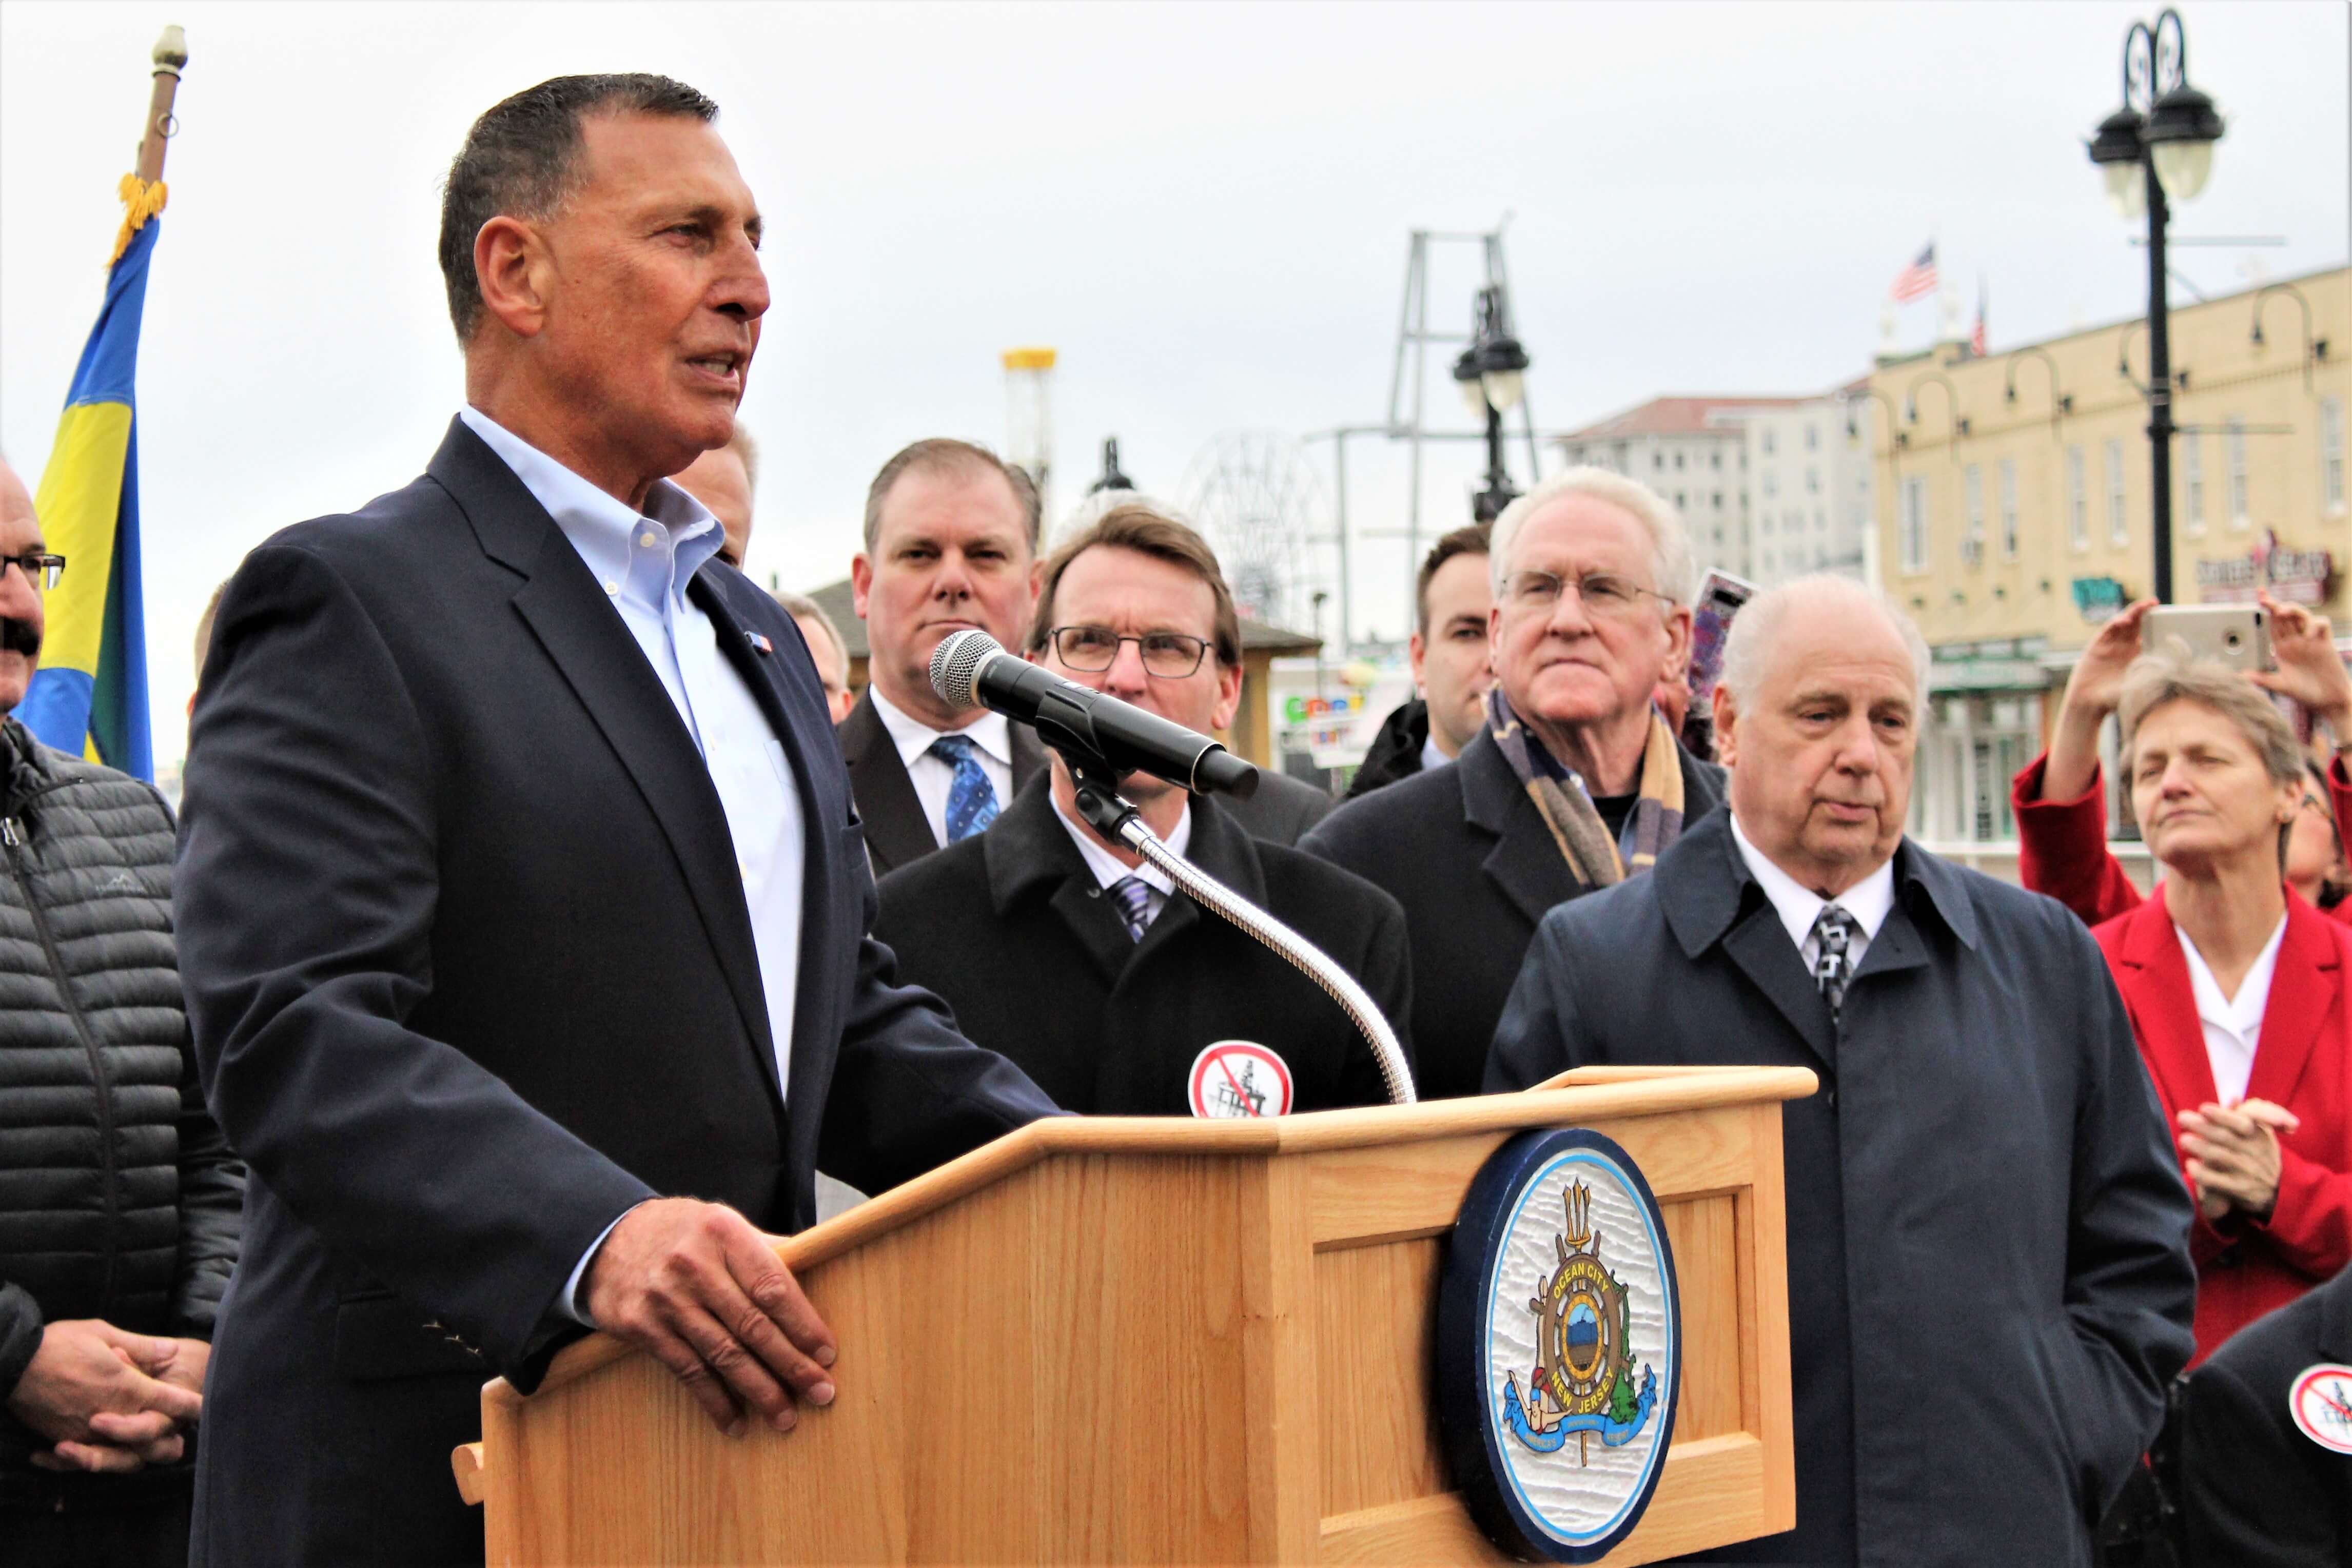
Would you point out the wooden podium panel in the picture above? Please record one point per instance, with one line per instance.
(1165, 1340)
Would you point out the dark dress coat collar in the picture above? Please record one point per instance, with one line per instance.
(1708, 895)
(1029, 856)
(1525, 862)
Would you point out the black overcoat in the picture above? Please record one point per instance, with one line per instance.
(470, 974)
(1466, 852)
(2255, 1491)
(1012, 929)
(1989, 1275)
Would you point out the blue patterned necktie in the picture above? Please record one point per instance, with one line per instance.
(971, 799)
(1834, 931)
(1133, 896)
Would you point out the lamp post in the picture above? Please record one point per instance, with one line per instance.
(1492, 376)
(2155, 150)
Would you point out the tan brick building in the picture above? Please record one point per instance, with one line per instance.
(2014, 513)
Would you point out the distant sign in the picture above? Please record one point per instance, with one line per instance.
(2098, 597)
(2295, 576)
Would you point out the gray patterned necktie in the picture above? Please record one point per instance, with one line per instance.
(1834, 931)
(1133, 896)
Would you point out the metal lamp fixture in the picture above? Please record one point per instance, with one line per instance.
(1492, 375)
(2155, 150)
(2117, 153)
(2180, 135)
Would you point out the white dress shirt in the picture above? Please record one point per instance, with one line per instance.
(1869, 902)
(1431, 757)
(934, 777)
(1107, 868)
(2232, 1025)
(644, 564)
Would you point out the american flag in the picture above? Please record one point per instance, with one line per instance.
(1918, 280)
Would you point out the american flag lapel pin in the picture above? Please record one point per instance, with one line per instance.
(761, 642)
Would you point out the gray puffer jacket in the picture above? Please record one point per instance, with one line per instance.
(118, 1198)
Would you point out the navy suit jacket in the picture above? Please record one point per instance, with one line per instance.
(470, 974)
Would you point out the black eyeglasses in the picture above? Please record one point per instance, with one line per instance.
(40, 570)
(1168, 655)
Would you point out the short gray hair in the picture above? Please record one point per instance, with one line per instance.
(1670, 551)
(2170, 675)
(801, 608)
(1757, 627)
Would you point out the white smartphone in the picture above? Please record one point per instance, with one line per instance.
(2235, 636)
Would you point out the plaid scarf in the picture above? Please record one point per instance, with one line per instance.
(1576, 827)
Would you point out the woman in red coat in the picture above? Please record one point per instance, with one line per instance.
(2236, 986)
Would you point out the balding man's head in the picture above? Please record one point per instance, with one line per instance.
(21, 621)
(1817, 715)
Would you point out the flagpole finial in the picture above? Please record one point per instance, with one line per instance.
(171, 51)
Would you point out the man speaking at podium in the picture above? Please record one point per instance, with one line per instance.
(523, 910)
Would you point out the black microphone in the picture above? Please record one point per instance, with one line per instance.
(972, 669)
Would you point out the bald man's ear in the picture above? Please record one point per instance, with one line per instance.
(1726, 725)
(511, 266)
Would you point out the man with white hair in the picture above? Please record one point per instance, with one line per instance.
(1988, 1277)
(1574, 782)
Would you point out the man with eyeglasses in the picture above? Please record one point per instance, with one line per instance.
(1574, 783)
(119, 1199)
(1088, 969)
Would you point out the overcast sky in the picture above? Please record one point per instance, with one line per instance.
(1204, 207)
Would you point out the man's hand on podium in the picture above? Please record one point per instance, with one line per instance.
(699, 1287)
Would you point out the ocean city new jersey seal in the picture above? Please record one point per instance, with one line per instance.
(1559, 1346)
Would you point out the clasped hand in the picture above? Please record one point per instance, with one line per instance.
(2234, 1156)
(108, 1400)
(700, 1288)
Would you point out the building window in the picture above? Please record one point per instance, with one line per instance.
(2193, 466)
(2078, 503)
(1678, 462)
(1812, 438)
(1658, 461)
(2118, 523)
(2009, 509)
(1771, 484)
(1914, 525)
(1766, 436)
(2331, 454)
(1767, 524)
(1812, 481)
(1714, 461)
(2234, 444)
(1972, 541)
(1681, 500)
(1821, 519)
(1718, 500)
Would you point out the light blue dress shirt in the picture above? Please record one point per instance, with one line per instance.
(644, 564)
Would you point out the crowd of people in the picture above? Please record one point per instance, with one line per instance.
(547, 910)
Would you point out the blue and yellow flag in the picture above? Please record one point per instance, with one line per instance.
(90, 696)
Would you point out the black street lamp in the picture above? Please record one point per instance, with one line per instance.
(1492, 374)
(2158, 149)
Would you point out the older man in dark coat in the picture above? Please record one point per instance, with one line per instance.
(1989, 1276)
(1572, 782)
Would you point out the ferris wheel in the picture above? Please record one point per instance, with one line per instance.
(1254, 495)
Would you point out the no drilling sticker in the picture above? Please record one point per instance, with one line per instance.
(1238, 1078)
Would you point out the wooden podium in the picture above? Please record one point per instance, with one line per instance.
(1157, 1340)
